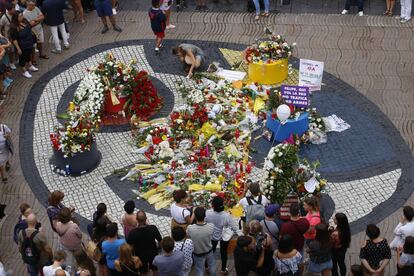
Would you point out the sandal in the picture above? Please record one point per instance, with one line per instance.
(386, 12)
(256, 17)
(43, 56)
(266, 14)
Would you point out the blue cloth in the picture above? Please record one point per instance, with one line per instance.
(158, 20)
(111, 251)
(53, 11)
(200, 261)
(171, 265)
(360, 5)
(318, 268)
(257, 6)
(103, 8)
(291, 126)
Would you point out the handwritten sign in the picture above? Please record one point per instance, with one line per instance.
(231, 75)
(310, 74)
(295, 95)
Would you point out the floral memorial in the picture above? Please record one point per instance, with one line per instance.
(110, 87)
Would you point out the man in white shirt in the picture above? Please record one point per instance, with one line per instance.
(58, 260)
(404, 229)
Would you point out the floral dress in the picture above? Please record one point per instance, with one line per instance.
(289, 264)
(186, 246)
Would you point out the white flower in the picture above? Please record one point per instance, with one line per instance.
(280, 154)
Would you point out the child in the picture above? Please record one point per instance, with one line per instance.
(158, 23)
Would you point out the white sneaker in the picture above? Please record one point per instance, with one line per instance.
(12, 66)
(170, 26)
(114, 11)
(36, 50)
(344, 12)
(33, 68)
(361, 13)
(27, 75)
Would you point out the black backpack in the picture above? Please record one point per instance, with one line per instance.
(30, 253)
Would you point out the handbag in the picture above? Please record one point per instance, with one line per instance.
(9, 143)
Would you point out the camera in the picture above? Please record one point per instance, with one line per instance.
(260, 239)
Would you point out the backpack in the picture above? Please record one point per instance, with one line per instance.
(30, 253)
(20, 225)
(255, 210)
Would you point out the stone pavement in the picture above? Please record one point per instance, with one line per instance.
(372, 7)
(372, 54)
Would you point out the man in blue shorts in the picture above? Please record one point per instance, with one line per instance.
(104, 9)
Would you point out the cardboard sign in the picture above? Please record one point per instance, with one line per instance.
(310, 74)
(296, 95)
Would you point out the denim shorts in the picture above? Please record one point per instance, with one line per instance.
(318, 268)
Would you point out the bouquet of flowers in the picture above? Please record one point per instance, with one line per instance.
(269, 50)
(280, 165)
(75, 136)
(308, 180)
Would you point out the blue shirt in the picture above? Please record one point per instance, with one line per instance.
(111, 251)
(158, 20)
(53, 11)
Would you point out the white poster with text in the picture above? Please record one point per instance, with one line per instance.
(310, 74)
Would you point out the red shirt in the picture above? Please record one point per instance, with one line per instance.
(296, 229)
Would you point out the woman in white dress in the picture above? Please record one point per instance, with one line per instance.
(5, 133)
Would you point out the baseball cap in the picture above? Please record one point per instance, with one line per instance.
(271, 209)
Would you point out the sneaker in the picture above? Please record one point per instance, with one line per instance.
(66, 47)
(27, 75)
(398, 17)
(361, 13)
(114, 11)
(36, 50)
(12, 66)
(344, 12)
(170, 26)
(33, 68)
(117, 28)
(6, 84)
(9, 80)
(256, 17)
(205, 8)
(198, 8)
(157, 50)
(56, 51)
(405, 20)
(104, 30)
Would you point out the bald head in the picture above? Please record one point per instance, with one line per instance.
(60, 272)
(141, 217)
(31, 220)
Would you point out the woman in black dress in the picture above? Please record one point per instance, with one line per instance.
(375, 254)
(127, 264)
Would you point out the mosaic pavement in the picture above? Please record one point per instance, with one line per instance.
(364, 177)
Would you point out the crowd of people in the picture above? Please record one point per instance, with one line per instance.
(263, 243)
(22, 31)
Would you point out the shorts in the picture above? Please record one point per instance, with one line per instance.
(318, 268)
(40, 36)
(164, 6)
(25, 57)
(103, 8)
(160, 35)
